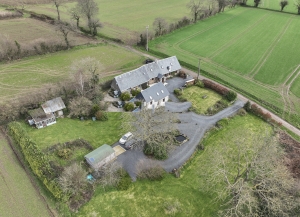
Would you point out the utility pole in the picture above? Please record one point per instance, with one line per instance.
(147, 27)
(198, 69)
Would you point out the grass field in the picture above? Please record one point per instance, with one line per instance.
(126, 19)
(26, 31)
(21, 77)
(18, 196)
(66, 129)
(184, 195)
(254, 50)
(200, 104)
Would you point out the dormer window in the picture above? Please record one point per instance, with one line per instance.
(162, 91)
(162, 67)
(157, 94)
(171, 64)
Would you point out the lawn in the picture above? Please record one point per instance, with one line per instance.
(201, 98)
(96, 133)
(21, 77)
(125, 19)
(236, 50)
(18, 197)
(185, 194)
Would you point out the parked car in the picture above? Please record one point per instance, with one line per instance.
(119, 104)
(125, 138)
(129, 144)
(148, 61)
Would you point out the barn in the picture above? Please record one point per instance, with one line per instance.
(100, 156)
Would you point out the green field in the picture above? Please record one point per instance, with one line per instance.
(186, 194)
(253, 50)
(66, 129)
(124, 20)
(18, 196)
(21, 77)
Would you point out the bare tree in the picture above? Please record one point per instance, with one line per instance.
(80, 107)
(57, 4)
(75, 14)
(254, 179)
(282, 4)
(160, 25)
(110, 174)
(89, 9)
(222, 4)
(297, 5)
(153, 129)
(93, 25)
(195, 8)
(85, 74)
(73, 179)
(64, 30)
(256, 3)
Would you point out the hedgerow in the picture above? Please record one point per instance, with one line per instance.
(37, 160)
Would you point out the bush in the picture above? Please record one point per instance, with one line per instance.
(241, 112)
(64, 153)
(247, 106)
(129, 106)
(95, 109)
(222, 123)
(231, 96)
(125, 180)
(150, 170)
(138, 103)
(199, 83)
(177, 92)
(125, 96)
(101, 115)
(158, 151)
(135, 92)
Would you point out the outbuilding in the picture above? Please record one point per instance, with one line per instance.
(100, 156)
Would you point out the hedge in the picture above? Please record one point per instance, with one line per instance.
(36, 159)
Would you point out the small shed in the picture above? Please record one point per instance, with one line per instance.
(41, 119)
(100, 156)
(54, 106)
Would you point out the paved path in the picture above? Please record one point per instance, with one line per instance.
(241, 97)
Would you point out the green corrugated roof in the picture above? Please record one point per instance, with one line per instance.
(99, 154)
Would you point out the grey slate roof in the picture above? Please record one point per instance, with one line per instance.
(144, 73)
(39, 115)
(99, 154)
(156, 92)
(53, 105)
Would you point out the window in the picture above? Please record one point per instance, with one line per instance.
(163, 99)
(151, 103)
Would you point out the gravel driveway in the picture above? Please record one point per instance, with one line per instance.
(192, 125)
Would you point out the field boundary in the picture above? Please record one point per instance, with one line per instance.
(28, 173)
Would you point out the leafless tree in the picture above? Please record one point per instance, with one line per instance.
(222, 4)
(282, 4)
(153, 128)
(256, 3)
(57, 4)
(160, 25)
(85, 74)
(80, 107)
(110, 174)
(64, 29)
(89, 9)
(297, 5)
(73, 179)
(195, 7)
(254, 179)
(93, 25)
(75, 14)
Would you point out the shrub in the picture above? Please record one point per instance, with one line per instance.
(138, 103)
(95, 109)
(177, 92)
(247, 106)
(150, 170)
(101, 115)
(135, 92)
(64, 153)
(129, 106)
(158, 151)
(222, 123)
(125, 96)
(231, 96)
(241, 112)
(125, 180)
(199, 83)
